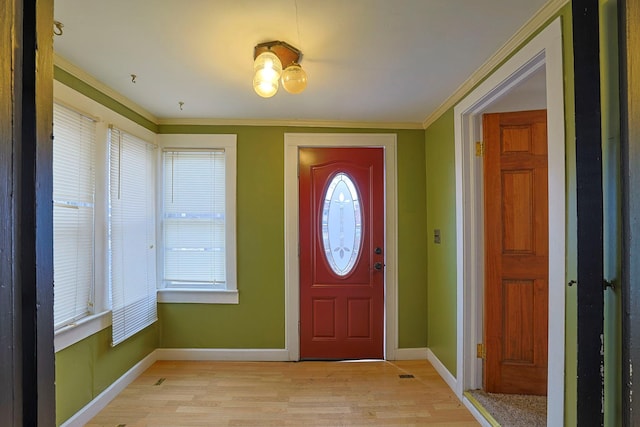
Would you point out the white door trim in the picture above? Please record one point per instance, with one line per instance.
(545, 49)
(292, 142)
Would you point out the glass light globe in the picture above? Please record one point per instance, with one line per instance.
(265, 88)
(294, 79)
(267, 66)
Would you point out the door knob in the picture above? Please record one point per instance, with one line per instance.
(377, 266)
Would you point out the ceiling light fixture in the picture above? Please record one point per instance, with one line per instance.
(276, 62)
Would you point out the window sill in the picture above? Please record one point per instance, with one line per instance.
(83, 328)
(197, 296)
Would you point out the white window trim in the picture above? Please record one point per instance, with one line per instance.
(81, 329)
(203, 296)
(101, 318)
(198, 296)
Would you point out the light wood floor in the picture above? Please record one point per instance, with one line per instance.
(188, 393)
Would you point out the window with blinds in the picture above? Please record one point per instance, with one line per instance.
(132, 253)
(73, 214)
(194, 219)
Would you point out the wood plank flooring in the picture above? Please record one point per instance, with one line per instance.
(195, 393)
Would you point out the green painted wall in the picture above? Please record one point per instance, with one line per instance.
(571, 303)
(412, 250)
(427, 314)
(87, 368)
(440, 140)
(70, 80)
(612, 210)
(441, 208)
(259, 320)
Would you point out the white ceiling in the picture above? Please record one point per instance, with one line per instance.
(367, 60)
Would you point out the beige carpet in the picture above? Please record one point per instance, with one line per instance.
(514, 410)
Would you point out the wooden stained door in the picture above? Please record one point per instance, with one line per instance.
(341, 194)
(516, 252)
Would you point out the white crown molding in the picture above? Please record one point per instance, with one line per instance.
(545, 13)
(76, 71)
(292, 123)
(533, 24)
(98, 85)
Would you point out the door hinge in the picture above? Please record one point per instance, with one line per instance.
(608, 284)
(479, 149)
(481, 351)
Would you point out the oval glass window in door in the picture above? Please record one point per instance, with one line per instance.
(341, 224)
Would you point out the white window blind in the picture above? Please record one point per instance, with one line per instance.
(131, 234)
(194, 219)
(73, 214)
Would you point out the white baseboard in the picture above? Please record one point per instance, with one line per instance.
(443, 371)
(452, 382)
(476, 414)
(241, 355)
(91, 409)
(411, 353)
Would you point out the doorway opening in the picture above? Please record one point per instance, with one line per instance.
(541, 57)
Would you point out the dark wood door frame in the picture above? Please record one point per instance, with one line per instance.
(10, 355)
(589, 207)
(27, 391)
(629, 37)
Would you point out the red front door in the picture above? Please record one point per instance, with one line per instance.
(341, 253)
